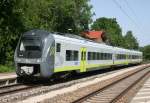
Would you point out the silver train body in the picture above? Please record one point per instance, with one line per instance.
(41, 53)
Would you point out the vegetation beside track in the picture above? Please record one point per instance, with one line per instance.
(5, 68)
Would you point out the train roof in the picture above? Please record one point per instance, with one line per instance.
(36, 33)
(74, 38)
(94, 43)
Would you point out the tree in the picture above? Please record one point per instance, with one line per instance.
(130, 41)
(146, 52)
(17, 16)
(10, 27)
(56, 15)
(112, 29)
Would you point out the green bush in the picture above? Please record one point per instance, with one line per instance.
(4, 68)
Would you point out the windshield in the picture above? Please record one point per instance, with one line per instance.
(30, 47)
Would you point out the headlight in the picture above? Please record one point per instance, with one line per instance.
(18, 60)
(38, 60)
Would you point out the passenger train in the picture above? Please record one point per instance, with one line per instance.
(41, 53)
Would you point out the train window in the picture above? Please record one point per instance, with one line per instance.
(68, 55)
(101, 56)
(121, 56)
(22, 48)
(75, 55)
(105, 56)
(130, 57)
(109, 56)
(98, 56)
(58, 47)
(117, 56)
(135, 56)
(72, 55)
(89, 55)
(94, 55)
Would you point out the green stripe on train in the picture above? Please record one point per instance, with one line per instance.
(69, 68)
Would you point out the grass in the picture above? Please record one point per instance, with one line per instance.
(5, 68)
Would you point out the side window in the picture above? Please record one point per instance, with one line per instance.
(94, 55)
(105, 56)
(68, 55)
(110, 56)
(72, 55)
(102, 56)
(58, 47)
(121, 56)
(97, 55)
(89, 55)
(75, 58)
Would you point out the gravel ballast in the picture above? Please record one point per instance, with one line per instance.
(100, 82)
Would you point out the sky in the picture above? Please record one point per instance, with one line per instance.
(131, 15)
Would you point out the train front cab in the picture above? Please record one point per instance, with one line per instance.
(33, 56)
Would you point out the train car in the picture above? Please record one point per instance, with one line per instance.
(41, 53)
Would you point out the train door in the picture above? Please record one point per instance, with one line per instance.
(83, 59)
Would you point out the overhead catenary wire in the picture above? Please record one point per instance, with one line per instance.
(125, 13)
(132, 10)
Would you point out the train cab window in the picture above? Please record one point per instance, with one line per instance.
(30, 47)
(58, 47)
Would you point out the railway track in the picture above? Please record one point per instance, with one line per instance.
(115, 91)
(13, 85)
(11, 89)
(20, 91)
